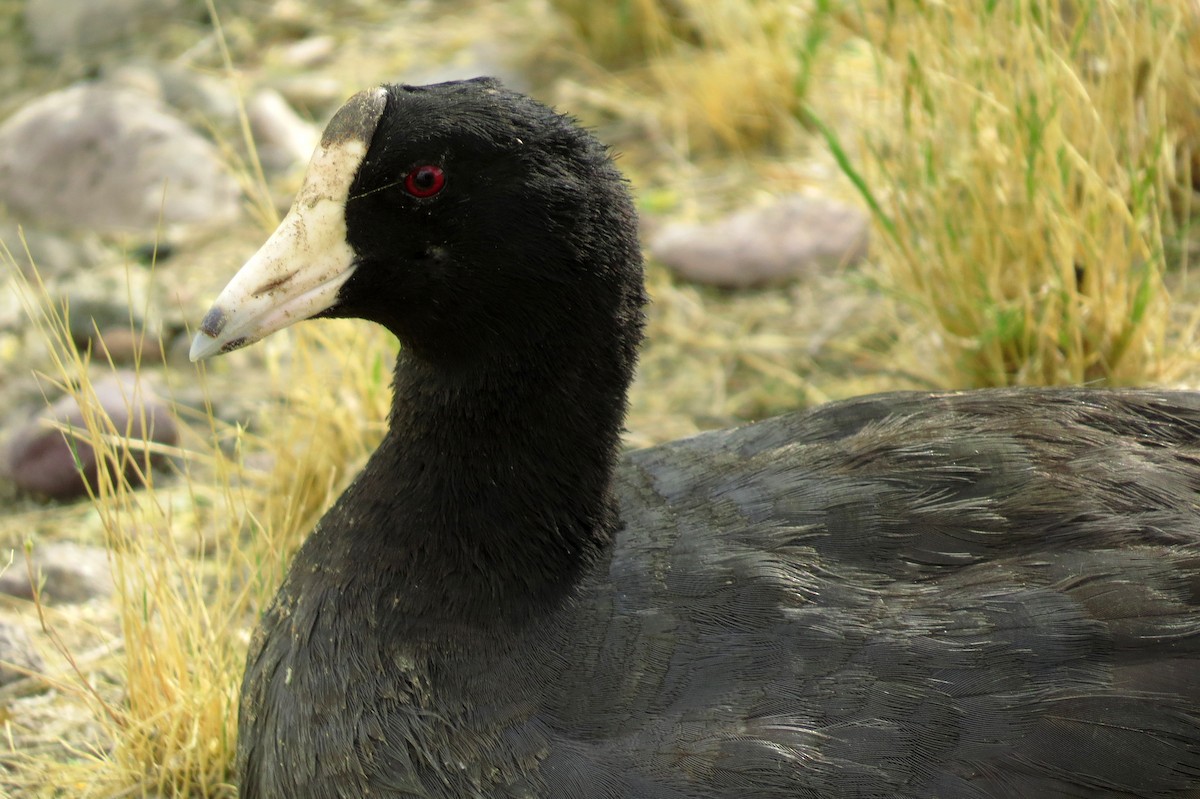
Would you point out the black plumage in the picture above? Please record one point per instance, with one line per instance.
(980, 594)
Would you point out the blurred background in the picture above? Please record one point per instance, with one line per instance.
(835, 198)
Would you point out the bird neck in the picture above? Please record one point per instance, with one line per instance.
(490, 497)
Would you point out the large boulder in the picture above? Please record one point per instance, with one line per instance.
(101, 158)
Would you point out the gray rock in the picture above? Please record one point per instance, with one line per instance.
(59, 28)
(761, 246)
(68, 573)
(107, 159)
(111, 332)
(283, 139)
(316, 95)
(196, 96)
(38, 459)
(89, 312)
(309, 52)
(18, 657)
(127, 346)
(118, 293)
(51, 253)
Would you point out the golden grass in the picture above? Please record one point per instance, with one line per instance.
(170, 706)
(1028, 164)
(195, 560)
(1021, 173)
(736, 73)
(627, 32)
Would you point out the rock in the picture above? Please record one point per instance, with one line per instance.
(99, 318)
(282, 138)
(307, 53)
(52, 254)
(316, 95)
(69, 573)
(39, 460)
(59, 28)
(288, 19)
(107, 159)
(18, 657)
(197, 97)
(761, 246)
(126, 346)
(89, 312)
(151, 253)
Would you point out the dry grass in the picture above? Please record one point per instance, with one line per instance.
(629, 32)
(170, 704)
(1023, 178)
(194, 561)
(736, 73)
(1029, 165)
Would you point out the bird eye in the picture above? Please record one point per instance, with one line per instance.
(425, 181)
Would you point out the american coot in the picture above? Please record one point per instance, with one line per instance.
(982, 594)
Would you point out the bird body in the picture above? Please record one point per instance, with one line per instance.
(976, 594)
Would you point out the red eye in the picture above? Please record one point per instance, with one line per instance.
(425, 181)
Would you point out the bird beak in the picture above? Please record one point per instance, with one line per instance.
(299, 271)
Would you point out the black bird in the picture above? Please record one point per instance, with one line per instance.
(980, 594)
